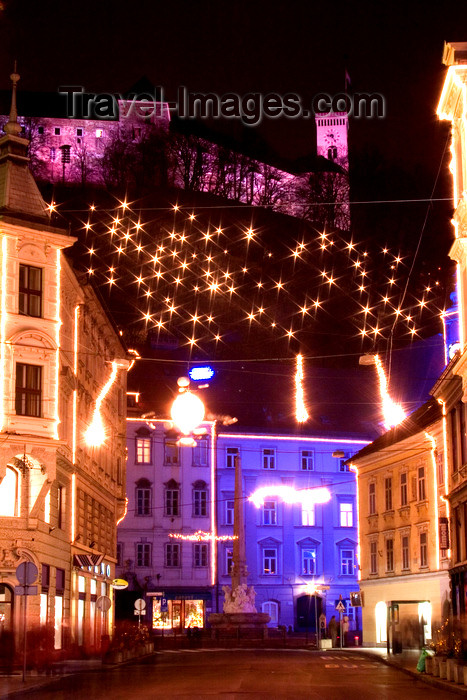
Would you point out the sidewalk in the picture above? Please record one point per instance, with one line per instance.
(407, 662)
(13, 686)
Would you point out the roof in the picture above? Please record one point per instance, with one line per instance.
(18, 190)
(417, 422)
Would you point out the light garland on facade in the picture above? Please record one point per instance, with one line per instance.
(393, 413)
(307, 497)
(95, 434)
(58, 324)
(301, 414)
(2, 329)
(201, 536)
(432, 440)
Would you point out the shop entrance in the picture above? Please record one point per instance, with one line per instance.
(408, 625)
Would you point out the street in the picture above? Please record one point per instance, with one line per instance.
(245, 673)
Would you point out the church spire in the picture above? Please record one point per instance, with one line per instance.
(12, 127)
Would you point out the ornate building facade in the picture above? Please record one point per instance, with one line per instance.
(62, 489)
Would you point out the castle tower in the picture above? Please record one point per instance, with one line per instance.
(331, 137)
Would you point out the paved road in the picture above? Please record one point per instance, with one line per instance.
(241, 674)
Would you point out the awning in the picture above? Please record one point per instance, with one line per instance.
(87, 559)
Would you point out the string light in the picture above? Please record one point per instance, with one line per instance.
(393, 413)
(201, 536)
(301, 414)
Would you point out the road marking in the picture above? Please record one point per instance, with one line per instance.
(331, 665)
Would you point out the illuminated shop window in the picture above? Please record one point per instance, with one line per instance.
(194, 613)
(99, 133)
(381, 615)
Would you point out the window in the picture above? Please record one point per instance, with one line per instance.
(270, 513)
(79, 132)
(404, 495)
(228, 560)
(309, 561)
(405, 553)
(372, 498)
(269, 458)
(200, 453)
(57, 131)
(171, 452)
(440, 468)
(421, 491)
(271, 608)
(307, 460)
(172, 499)
(119, 553)
(388, 493)
(143, 553)
(229, 512)
(30, 290)
(200, 555)
(40, 130)
(28, 390)
(270, 561)
(308, 515)
(347, 557)
(346, 514)
(373, 557)
(200, 502)
(390, 555)
(230, 454)
(143, 497)
(423, 549)
(172, 554)
(143, 450)
(343, 467)
(9, 493)
(99, 133)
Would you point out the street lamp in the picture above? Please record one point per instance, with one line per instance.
(187, 410)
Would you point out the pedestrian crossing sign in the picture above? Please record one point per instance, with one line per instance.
(340, 606)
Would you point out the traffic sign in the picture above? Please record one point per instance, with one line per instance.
(26, 590)
(340, 606)
(103, 603)
(26, 573)
(140, 604)
(164, 605)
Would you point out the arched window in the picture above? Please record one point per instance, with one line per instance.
(272, 609)
(9, 493)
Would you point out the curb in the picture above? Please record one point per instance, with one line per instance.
(429, 680)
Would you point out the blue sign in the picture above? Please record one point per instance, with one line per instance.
(164, 605)
(199, 374)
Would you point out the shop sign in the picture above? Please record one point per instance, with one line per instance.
(443, 533)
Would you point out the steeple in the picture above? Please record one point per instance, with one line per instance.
(19, 194)
(12, 127)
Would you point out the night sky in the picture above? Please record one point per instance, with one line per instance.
(394, 49)
(391, 48)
